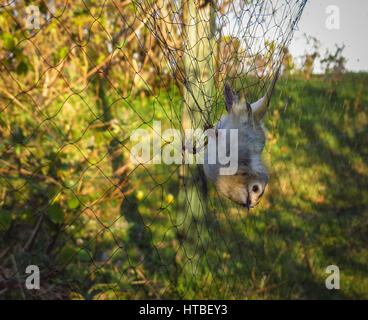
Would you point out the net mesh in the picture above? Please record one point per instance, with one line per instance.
(74, 88)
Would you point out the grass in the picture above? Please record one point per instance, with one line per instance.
(314, 212)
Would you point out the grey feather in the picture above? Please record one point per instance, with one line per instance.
(247, 184)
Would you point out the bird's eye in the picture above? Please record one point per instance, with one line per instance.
(255, 188)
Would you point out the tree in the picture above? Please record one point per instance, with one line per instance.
(335, 63)
(198, 92)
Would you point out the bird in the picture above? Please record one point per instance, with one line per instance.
(247, 184)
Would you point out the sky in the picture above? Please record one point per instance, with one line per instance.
(352, 31)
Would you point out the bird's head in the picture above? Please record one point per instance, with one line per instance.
(243, 189)
(255, 189)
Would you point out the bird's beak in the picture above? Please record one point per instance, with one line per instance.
(248, 204)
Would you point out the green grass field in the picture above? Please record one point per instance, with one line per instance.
(94, 243)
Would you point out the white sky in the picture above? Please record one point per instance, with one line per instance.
(353, 31)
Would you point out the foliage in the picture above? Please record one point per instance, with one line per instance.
(99, 227)
(313, 215)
